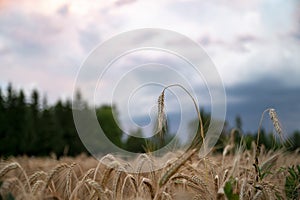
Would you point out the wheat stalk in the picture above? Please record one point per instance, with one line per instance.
(52, 173)
(146, 183)
(132, 183)
(258, 195)
(174, 167)
(69, 179)
(226, 172)
(193, 182)
(243, 189)
(199, 182)
(166, 196)
(12, 166)
(142, 159)
(108, 171)
(277, 126)
(37, 175)
(87, 174)
(97, 187)
(108, 157)
(161, 113)
(216, 183)
(81, 182)
(38, 184)
(116, 182)
(13, 182)
(8, 168)
(257, 151)
(16, 185)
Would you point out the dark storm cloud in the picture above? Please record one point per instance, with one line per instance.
(249, 100)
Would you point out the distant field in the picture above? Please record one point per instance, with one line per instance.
(231, 175)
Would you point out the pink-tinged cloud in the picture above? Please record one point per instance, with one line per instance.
(241, 37)
(56, 85)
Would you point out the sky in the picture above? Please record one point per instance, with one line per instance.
(254, 44)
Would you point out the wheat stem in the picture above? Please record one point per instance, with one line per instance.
(196, 143)
(174, 167)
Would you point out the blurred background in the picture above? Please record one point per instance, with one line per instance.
(254, 44)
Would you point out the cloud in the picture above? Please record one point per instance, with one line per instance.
(63, 10)
(124, 2)
(250, 99)
(89, 37)
(38, 49)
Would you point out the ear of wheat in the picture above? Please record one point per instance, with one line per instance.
(277, 126)
(275, 120)
(161, 122)
(175, 166)
(7, 168)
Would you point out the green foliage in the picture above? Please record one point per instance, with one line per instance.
(229, 190)
(28, 128)
(265, 168)
(262, 173)
(136, 144)
(109, 124)
(292, 183)
(150, 144)
(295, 140)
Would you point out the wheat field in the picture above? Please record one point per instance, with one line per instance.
(228, 176)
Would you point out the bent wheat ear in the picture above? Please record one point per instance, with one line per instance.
(147, 183)
(52, 173)
(116, 182)
(275, 120)
(13, 166)
(133, 184)
(38, 184)
(34, 177)
(278, 128)
(196, 143)
(175, 166)
(69, 179)
(8, 168)
(97, 187)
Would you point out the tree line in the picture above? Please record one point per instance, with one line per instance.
(32, 127)
(29, 126)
